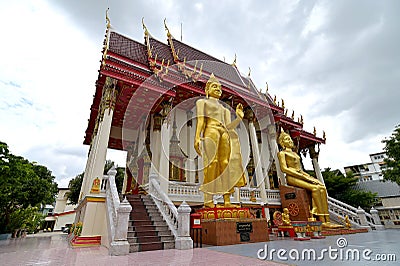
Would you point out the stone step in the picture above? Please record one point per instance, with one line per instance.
(160, 228)
(169, 244)
(147, 239)
(143, 228)
(147, 229)
(163, 232)
(152, 207)
(149, 204)
(163, 238)
(139, 216)
(137, 247)
(167, 238)
(146, 222)
(146, 233)
(157, 218)
(140, 222)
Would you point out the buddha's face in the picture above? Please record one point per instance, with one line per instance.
(214, 90)
(287, 142)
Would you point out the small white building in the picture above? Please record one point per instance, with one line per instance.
(64, 212)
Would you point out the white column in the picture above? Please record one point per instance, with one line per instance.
(97, 156)
(265, 159)
(190, 167)
(314, 159)
(257, 162)
(89, 163)
(101, 152)
(164, 156)
(274, 150)
(155, 160)
(317, 170)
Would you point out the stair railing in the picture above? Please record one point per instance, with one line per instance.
(165, 205)
(117, 217)
(357, 217)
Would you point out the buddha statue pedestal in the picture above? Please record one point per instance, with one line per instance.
(297, 201)
(231, 231)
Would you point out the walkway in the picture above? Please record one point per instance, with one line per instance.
(53, 249)
(380, 247)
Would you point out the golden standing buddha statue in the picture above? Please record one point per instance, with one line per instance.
(290, 164)
(221, 153)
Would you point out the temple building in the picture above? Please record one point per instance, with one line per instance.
(145, 104)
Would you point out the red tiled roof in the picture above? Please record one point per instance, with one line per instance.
(128, 48)
(162, 50)
(220, 69)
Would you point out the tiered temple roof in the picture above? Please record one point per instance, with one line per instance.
(156, 72)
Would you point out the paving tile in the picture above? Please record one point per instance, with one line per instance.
(53, 249)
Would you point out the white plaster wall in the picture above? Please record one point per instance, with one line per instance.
(64, 220)
(391, 202)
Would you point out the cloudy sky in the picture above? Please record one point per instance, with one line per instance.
(335, 62)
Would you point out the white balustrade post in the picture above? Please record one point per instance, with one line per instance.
(377, 220)
(120, 245)
(361, 215)
(183, 240)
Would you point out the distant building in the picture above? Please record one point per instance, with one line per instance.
(388, 200)
(370, 178)
(49, 220)
(369, 171)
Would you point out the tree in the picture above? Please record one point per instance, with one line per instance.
(75, 184)
(336, 183)
(342, 188)
(22, 185)
(392, 149)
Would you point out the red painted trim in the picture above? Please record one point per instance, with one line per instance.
(64, 213)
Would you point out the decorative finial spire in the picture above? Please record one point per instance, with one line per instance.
(171, 43)
(315, 131)
(301, 120)
(106, 41)
(169, 35)
(248, 75)
(234, 61)
(324, 135)
(267, 86)
(108, 19)
(286, 112)
(283, 104)
(293, 115)
(275, 99)
(146, 32)
(147, 40)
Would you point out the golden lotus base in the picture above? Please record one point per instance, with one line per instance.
(225, 213)
(343, 231)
